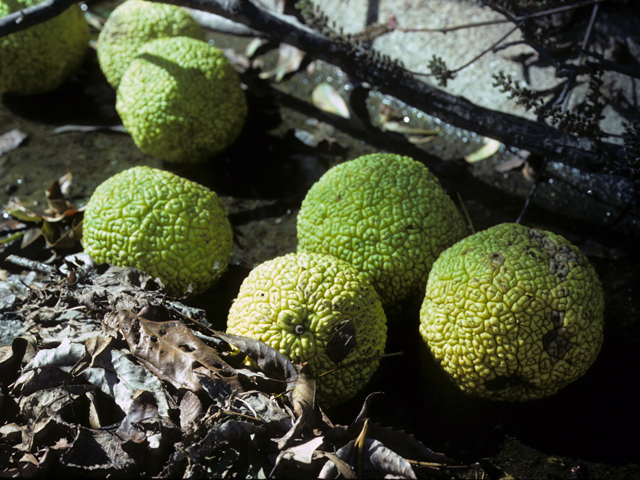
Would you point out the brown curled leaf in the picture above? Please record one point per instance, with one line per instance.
(172, 352)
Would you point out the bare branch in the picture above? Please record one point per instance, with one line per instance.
(28, 17)
(462, 26)
(385, 75)
(490, 48)
(564, 96)
(510, 18)
(536, 137)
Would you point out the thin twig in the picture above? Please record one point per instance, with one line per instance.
(538, 138)
(553, 11)
(563, 98)
(519, 21)
(569, 85)
(454, 28)
(474, 59)
(30, 16)
(565, 70)
(466, 213)
(542, 13)
(509, 19)
(533, 190)
(31, 264)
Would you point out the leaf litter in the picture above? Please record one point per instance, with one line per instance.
(112, 377)
(60, 224)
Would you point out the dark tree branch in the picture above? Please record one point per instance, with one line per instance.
(383, 74)
(536, 137)
(568, 87)
(28, 17)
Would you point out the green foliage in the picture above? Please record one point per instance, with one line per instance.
(632, 140)
(529, 99)
(438, 69)
(584, 122)
(630, 166)
(315, 18)
(357, 46)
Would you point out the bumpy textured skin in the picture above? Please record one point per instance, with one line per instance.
(134, 23)
(295, 302)
(513, 313)
(181, 100)
(385, 214)
(41, 58)
(165, 225)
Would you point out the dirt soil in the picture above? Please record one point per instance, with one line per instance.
(586, 431)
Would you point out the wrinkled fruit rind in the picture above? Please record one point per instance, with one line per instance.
(181, 100)
(168, 226)
(385, 214)
(134, 23)
(295, 303)
(42, 57)
(513, 313)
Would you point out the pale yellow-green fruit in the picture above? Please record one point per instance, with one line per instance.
(181, 100)
(317, 309)
(385, 214)
(513, 313)
(170, 227)
(134, 23)
(42, 57)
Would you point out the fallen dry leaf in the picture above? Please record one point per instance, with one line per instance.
(303, 399)
(489, 148)
(514, 162)
(94, 450)
(170, 350)
(11, 140)
(191, 410)
(302, 453)
(375, 458)
(327, 99)
(270, 361)
(55, 193)
(402, 127)
(142, 408)
(289, 60)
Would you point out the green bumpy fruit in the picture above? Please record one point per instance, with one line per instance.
(41, 58)
(181, 100)
(317, 309)
(385, 214)
(171, 228)
(134, 23)
(513, 313)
